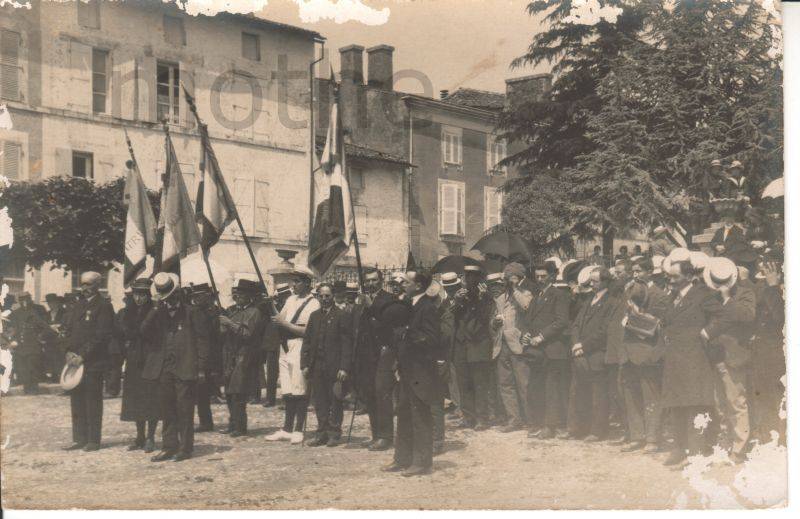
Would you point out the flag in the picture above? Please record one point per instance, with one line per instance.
(334, 222)
(140, 227)
(215, 207)
(411, 264)
(177, 219)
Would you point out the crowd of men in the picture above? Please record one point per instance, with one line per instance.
(632, 351)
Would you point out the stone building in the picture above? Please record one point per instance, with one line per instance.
(75, 74)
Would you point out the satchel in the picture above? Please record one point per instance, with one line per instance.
(642, 324)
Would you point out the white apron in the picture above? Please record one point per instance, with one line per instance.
(289, 373)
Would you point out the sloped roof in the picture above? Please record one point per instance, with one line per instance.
(474, 98)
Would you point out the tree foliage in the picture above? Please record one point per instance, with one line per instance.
(69, 221)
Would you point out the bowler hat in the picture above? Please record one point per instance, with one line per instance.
(51, 297)
(720, 272)
(339, 286)
(202, 288)
(247, 286)
(571, 270)
(282, 288)
(71, 376)
(165, 284)
(141, 284)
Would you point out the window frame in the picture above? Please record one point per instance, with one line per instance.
(107, 59)
(257, 38)
(492, 157)
(452, 140)
(460, 209)
(489, 191)
(173, 91)
(86, 155)
(9, 63)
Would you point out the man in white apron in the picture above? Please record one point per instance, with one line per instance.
(292, 322)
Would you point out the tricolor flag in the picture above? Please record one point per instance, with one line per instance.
(177, 219)
(215, 206)
(140, 228)
(334, 222)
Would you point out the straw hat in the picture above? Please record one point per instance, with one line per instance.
(720, 272)
(71, 376)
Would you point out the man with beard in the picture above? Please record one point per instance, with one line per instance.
(325, 360)
(178, 336)
(375, 360)
(91, 329)
(241, 327)
(139, 396)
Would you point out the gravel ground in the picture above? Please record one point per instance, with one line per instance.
(478, 470)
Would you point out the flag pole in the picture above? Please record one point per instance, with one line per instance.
(203, 251)
(353, 212)
(204, 129)
(313, 141)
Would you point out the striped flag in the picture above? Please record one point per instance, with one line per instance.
(334, 222)
(177, 218)
(140, 227)
(215, 207)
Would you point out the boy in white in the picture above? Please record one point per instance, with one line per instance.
(292, 322)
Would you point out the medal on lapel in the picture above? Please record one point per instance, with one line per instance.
(88, 315)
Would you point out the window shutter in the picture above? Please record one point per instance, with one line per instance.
(457, 139)
(448, 209)
(187, 78)
(9, 65)
(244, 196)
(262, 208)
(461, 214)
(493, 206)
(80, 64)
(11, 160)
(147, 92)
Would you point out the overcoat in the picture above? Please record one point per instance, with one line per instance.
(140, 399)
(590, 330)
(472, 338)
(420, 348)
(186, 332)
(328, 341)
(240, 348)
(688, 379)
(91, 330)
(646, 351)
(549, 317)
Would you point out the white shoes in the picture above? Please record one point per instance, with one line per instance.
(297, 437)
(280, 434)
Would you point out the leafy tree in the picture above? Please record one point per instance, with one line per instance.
(69, 221)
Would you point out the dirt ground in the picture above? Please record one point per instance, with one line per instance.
(478, 470)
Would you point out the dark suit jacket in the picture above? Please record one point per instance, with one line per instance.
(736, 246)
(133, 341)
(187, 332)
(646, 350)
(688, 379)
(472, 337)
(240, 347)
(731, 331)
(590, 329)
(327, 343)
(29, 327)
(419, 350)
(91, 331)
(447, 327)
(367, 329)
(549, 317)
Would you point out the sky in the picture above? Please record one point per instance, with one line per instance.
(454, 43)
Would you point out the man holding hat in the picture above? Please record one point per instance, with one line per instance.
(549, 318)
(178, 336)
(91, 330)
(326, 359)
(241, 328)
(29, 326)
(292, 321)
(472, 347)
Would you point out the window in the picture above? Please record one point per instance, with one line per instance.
(451, 145)
(356, 178)
(10, 165)
(13, 274)
(9, 65)
(251, 46)
(168, 92)
(451, 208)
(89, 14)
(99, 80)
(492, 207)
(82, 165)
(174, 33)
(495, 153)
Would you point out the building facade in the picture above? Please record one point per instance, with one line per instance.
(75, 74)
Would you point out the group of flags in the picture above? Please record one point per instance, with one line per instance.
(181, 228)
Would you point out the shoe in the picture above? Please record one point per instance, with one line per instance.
(89, 447)
(514, 426)
(565, 435)
(333, 442)
(367, 444)
(481, 426)
(254, 401)
(465, 424)
(75, 447)
(268, 403)
(237, 434)
(318, 441)
(416, 471)
(297, 438)
(534, 432)
(547, 434)
(136, 446)
(620, 442)
(203, 428)
(653, 448)
(278, 435)
(633, 446)
(381, 444)
(675, 458)
(394, 467)
(163, 456)
(181, 456)
(149, 446)
(593, 438)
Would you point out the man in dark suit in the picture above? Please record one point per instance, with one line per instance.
(91, 330)
(729, 241)
(375, 360)
(325, 359)
(241, 329)
(472, 348)
(29, 326)
(202, 298)
(178, 358)
(418, 352)
(590, 402)
(549, 318)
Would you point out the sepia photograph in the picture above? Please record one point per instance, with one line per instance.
(395, 255)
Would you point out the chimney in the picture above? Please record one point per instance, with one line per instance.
(443, 94)
(528, 86)
(380, 70)
(352, 65)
